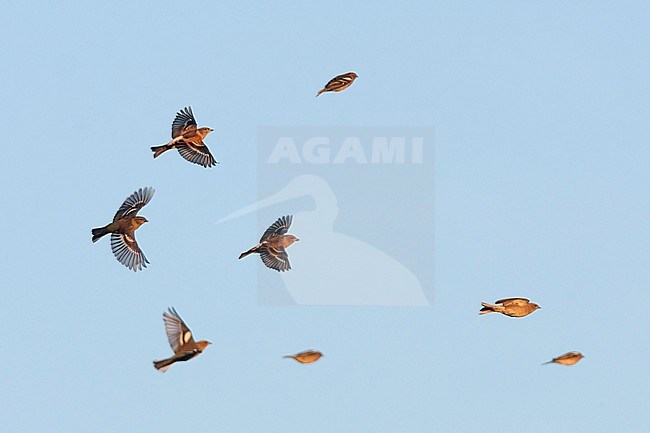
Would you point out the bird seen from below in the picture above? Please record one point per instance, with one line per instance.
(188, 140)
(273, 244)
(122, 230)
(181, 341)
(513, 307)
(338, 83)
(306, 357)
(569, 358)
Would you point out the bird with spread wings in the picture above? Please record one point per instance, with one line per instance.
(181, 341)
(188, 140)
(273, 244)
(125, 222)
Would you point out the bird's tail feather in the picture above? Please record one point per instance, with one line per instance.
(99, 232)
(251, 251)
(487, 308)
(164, 364)
(547, 362)
(319, 92)
(159, 150)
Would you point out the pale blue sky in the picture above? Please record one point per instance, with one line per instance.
(541, 118)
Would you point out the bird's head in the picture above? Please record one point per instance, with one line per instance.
(354, 75)
(292, 238)
(203, 344)
(204, 131)
(535, 306)
(139, 220)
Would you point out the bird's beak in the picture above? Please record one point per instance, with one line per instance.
(146, 220)
(209, 342)
(297, 239)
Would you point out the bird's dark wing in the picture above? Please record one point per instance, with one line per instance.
(126, 250)
(197, 154)
(178, 334)
(275, 258)
(134, 203)
(280, 227)
(186, 356)
(184, 121)
(339, 81)
(514, 301)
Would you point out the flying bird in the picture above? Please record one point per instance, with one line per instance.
(569, 358)
(306, 357)
(181, 341)
(513, 307)
(122, 230)
(188, 140)
(338, 83)
(273, 244)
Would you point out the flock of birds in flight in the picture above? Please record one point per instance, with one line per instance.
(187, 138)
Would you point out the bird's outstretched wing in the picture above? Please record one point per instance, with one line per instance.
(514, 301)
(178, 333)
(275, 258)
(280, 227)
(197, 154)
(126, 250)
(134, 203)
(183, 122)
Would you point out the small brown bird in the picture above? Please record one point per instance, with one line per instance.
(180, 339)
(338, 83)
(306, 357)
(513, 307)
(569, 358)
(273, 243)
(188, 140)
(122, 229)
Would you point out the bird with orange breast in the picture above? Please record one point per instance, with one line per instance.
(569, 358)
(122, 230)
(306, 357)
(338, 83)
(273, 244)
(181, 340)
(513, 307)
(188, 140)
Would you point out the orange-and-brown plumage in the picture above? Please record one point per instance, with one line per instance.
(513, 307)
(122, 230)
(338, 83)
(569, 358)
(273, 244)
(306, 357)
(188, 140)
(181, 341)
